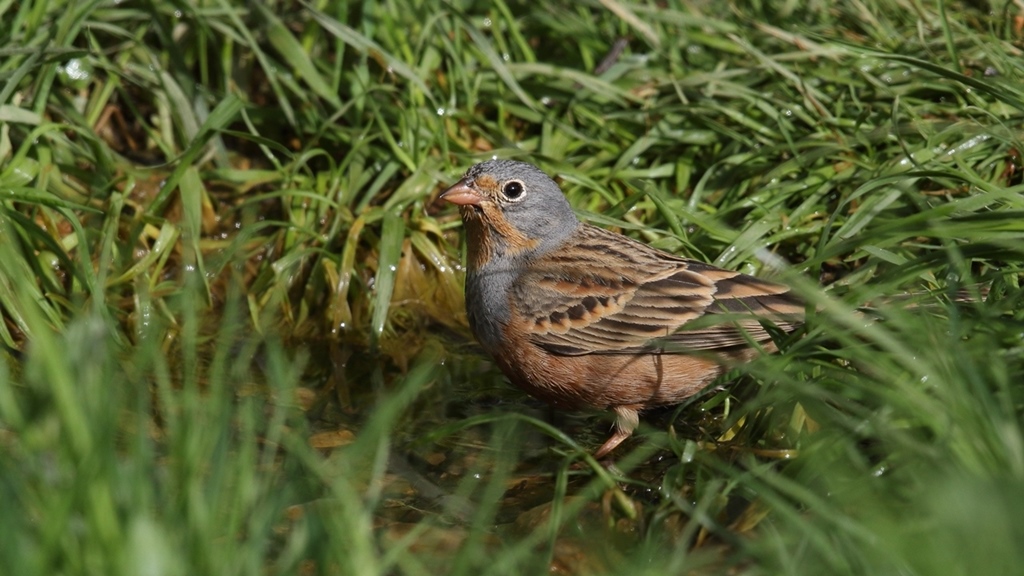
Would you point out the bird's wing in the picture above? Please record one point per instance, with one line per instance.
(601, 294)
(741, 303)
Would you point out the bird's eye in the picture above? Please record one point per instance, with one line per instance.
(513, 190)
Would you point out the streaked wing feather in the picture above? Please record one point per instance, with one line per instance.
(577, 304)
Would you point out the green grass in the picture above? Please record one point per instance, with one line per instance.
(233, 337)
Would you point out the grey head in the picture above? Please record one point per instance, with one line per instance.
(529, 201)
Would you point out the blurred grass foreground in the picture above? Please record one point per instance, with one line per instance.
(233, 338)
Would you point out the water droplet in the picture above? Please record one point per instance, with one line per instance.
(75, 70)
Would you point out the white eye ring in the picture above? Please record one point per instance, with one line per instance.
(513, 190)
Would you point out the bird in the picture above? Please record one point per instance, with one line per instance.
(586, 318)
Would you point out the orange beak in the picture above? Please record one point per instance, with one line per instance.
(462, 194)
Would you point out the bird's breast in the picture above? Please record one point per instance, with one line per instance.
(487, 305)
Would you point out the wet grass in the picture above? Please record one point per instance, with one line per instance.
(233, 336)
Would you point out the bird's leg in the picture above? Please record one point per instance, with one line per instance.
(627, 418)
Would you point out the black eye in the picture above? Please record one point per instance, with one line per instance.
(513, 190)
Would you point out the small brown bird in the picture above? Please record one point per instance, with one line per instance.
(586, 318)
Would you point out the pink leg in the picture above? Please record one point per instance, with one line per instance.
(626, 420)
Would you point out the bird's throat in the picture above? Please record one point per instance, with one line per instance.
(480, 241)
(490, 236)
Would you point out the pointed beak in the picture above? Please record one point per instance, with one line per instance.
(462, 194)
